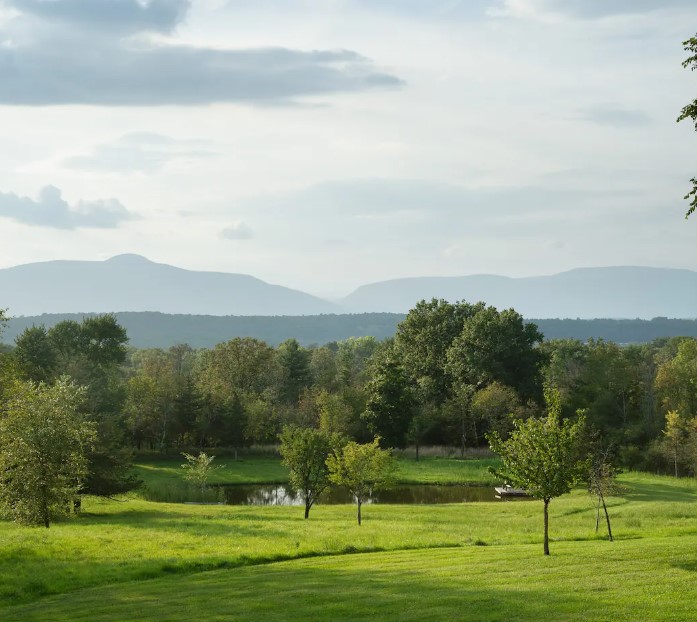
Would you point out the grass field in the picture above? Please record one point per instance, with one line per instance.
(139, 560)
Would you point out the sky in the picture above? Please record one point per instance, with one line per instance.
(324, 144)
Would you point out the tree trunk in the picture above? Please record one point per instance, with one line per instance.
(417, 452)
(597, 515)
(359, 511)
(607, 518)
(308, 505)
(546, 540)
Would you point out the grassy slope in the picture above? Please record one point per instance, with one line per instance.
(121, 543)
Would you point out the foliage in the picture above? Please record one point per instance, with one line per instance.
(541, 455)
(690, 112)
(361, 469)
(197, 469)
(44, 439)
(305, 452)
(391, 403)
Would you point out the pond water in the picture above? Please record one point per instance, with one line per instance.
(414, 494)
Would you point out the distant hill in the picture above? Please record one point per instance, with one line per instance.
(133, 283)
(617, 292)
(158, 330)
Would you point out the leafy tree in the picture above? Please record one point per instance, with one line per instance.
(690, 112)
(198, 468)
(294, 363)
(35, 354)
(675, 437)
(498, 346)
(391, 403)
(361, 468)
(305, 452)
(44, 440)
(495, 407)
(541, 455)
(423, 340)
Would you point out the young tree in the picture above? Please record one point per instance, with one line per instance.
(690, 112)
(675, 436)
(198, 468)
(361, 468)
(44, 439)
(602, 482)
(541, 455)
(305, 452)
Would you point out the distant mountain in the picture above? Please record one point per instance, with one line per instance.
(617, 292)
(133, 283)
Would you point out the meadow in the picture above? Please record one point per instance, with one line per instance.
(134, 559)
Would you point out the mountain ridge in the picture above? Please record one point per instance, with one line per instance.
(133, 283)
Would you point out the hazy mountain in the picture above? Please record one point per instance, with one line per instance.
(618, 292)
(133, 283)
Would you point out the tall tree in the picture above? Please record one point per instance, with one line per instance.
(690, 112)
(391, 403)
(498, 346)
(35, 354)
(542, 455)
(295, 375)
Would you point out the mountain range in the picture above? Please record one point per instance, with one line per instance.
(133, 283)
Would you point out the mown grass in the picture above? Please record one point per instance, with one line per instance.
(643, 580)
(122, 544)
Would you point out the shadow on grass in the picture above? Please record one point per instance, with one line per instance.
(668, 491)
(384, 588)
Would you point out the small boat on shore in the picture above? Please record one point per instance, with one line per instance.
(508, 491)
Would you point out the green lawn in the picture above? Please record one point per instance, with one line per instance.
(140, 560)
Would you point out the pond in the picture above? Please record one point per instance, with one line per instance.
(404, 494)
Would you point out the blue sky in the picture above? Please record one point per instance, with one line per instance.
(326, 144)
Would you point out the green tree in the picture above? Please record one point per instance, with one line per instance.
(498, 346)
(602, 482)
(361, 468)
(197, 469)
(423, 340)
(44, 439)
(541, 455)
(674, 438)
(295, 375)
(35, 354)
(391, 403)
(305, 452)
(690, 112)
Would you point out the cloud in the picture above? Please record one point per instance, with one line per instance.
(120, 15)
(51, 210)
(51, 55)
(139, 152)
(237, 231)
(586, 9)
(615, 116)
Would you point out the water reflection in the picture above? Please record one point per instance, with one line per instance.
(416, 494)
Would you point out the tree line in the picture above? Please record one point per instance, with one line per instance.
(454, 374)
